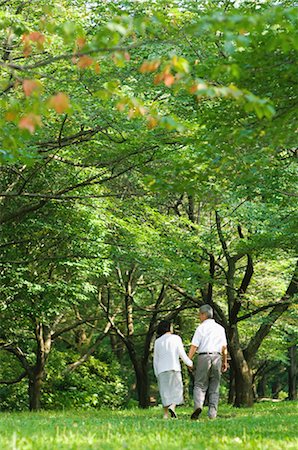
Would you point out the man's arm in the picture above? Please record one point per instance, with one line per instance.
(192, 351)
(224, 353)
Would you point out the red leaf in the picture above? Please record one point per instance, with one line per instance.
(36, 36)
(30, 122)
(149, 66)
(85, 61)
(81, 41)
(29, 86)
(60, 102)
(169, 79)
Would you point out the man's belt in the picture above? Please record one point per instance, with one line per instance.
(210, 353)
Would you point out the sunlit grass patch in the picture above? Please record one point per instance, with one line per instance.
(266, 426)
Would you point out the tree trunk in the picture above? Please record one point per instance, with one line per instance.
(142, 385)
(117, 346)
(34, 388)
(242, 372)
(37, 373)
(292, 373)
(231, 394)
(243, 385)
(276, 388)
(261, 386)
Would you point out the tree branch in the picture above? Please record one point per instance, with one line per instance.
(18, 379)
(66, 56)
(73, 326)
(258, 310)
(218, 311)
(221, 237)
(16, 351)
(90, 351)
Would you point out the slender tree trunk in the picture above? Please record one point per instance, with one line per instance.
(36, 375)
(117, 346)
(276, 388)
(292, 373)
(261, 386)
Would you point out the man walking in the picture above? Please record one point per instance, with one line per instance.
(210, 342)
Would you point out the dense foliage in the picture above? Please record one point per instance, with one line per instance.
(148, 165)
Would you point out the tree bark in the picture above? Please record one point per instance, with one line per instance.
(36, 375)
(231, 394)
(243, 386)
(292, 373)
(34, 388)
(261, 387)
(242, 372)
(142, 385)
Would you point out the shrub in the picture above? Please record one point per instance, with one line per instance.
(92, 385)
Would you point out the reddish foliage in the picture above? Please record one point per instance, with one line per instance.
(30, 122)
(60, 102)
(85, 61)
(29, 86)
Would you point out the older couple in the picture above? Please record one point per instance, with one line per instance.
(210, 343)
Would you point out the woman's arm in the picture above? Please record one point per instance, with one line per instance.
(155, 360)
(183, 355)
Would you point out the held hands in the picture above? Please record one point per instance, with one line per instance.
(224, 366)
(190, 369)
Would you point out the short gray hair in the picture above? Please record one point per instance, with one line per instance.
(208, 310)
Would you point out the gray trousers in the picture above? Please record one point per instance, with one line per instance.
(207, 376)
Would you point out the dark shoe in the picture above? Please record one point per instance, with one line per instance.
(173, 414)
(196, 413)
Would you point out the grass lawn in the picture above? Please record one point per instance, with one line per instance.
(266, 426)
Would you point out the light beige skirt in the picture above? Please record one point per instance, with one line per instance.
(170, 387)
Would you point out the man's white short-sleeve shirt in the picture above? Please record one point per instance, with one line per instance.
(209, 337)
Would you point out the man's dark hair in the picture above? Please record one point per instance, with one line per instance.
(163, 327)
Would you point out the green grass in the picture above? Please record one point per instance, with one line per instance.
(266, 426)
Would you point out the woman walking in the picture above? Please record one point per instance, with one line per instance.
(168, 348)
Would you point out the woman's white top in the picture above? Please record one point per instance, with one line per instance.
(167, 350)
